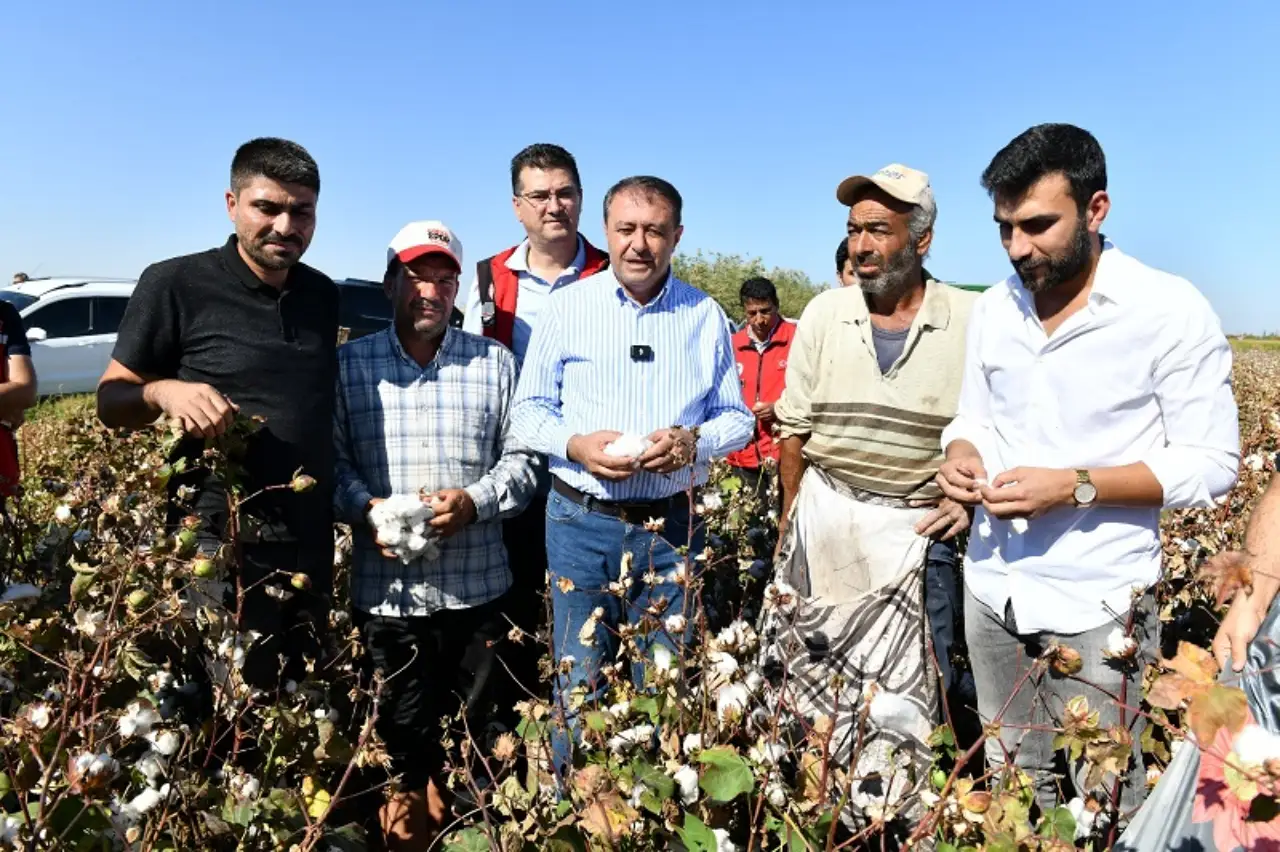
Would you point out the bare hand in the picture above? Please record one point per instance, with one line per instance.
(763, 412)
(1028, 492)
(1237, 631)
(199, 409)
(946, 521)
(588, 451)
(958, 478)
(672, 450)
(453, 509)
(382, 547)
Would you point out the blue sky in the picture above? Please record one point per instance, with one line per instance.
(120, 120)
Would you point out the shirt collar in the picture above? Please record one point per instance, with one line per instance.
(625, 298)
(1108, 283)
(519, 260)
(442, 354)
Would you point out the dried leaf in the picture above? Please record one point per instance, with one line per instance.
(1218, 707)
(1227, 573)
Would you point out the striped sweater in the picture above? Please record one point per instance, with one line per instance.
(880, 433)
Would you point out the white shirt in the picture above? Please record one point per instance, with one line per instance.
(1142, 373)
(529, 301)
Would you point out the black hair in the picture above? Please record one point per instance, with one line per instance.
(278, 159)
(1044, 150)
(647, 185)
(545, 156)
(842, 256)
(758, 288)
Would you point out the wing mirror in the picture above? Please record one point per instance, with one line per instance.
(36, 335)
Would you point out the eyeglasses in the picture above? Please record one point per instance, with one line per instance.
(541, 198)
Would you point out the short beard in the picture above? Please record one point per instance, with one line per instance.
(895, 278)
(255, 250)
(1061, 268)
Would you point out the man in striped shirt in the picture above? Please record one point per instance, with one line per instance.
(873, 378)
(635, 356)
(423, 410)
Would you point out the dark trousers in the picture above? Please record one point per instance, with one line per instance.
(434, 665)
(525, 537)
(286, 622)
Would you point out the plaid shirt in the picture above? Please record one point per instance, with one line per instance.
(400, 427)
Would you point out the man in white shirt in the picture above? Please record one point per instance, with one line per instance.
(1097, 391)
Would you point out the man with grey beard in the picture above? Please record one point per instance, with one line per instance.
(873, 378)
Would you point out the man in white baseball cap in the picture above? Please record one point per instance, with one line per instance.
(421, 415)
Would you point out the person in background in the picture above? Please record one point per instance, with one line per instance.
(247, 329)
(503, 302)
(424, 409)
(630, 353)
(873, 377)
(1097, 392)
(20, 278)
(760, 348)
(844, 266)
(17, 394)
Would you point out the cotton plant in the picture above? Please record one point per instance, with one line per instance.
(401, 525)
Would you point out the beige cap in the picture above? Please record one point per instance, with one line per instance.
(903, 183)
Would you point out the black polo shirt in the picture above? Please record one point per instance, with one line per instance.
(207, 318)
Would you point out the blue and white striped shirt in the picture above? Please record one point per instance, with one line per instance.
(579, 377)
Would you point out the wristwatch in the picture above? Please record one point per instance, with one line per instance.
(1086, 493)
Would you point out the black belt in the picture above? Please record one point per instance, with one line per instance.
(630, 511)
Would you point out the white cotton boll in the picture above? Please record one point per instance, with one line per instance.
(152, 765)
(1255, 462)
(62, 514)
(1256, 745)
(686, 778)
(767, 754)
(675, 624)
(692, 743)
(138, 721)
(892, 712)
(630, 738)
(146, 800)
(754, 681)
(1119, 645)
(723, 843)
(731, 701)
(662, 658)
(628, 446)
(722, 664)
(165, 742)
(1084, 817)
(776, 794)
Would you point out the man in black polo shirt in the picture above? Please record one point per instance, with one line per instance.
(247, 328)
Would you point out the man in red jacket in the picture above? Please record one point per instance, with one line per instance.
(761, 349)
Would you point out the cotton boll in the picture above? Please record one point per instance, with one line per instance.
(1256, 745)
(686, 778)
(892, 712)
(628, 446)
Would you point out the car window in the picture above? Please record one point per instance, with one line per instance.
(107, 313)
(18, 300)
(65, 318)
(368, 303)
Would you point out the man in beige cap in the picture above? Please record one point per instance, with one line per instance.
(422, 417)
(874, 376)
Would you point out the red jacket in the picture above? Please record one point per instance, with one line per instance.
(502, 286)
(763, 375)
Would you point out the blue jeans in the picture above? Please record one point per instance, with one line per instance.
(586, 548)
(945, 607)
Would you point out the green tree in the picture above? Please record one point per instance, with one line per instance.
(720, 276)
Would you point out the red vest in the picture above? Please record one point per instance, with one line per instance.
(500, 287)
(763, 376)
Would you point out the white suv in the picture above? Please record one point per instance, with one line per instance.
(71, 324)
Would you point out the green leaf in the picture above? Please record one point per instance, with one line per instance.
(531, 731)
(1001, 843)
(566, 839)
(468, 840)
(727, 775)
(731, 485)
(945, 847)
(597, 721)
(696, 836)
(660, 785)
(648, 705)
(1058, 823)
(943, 740)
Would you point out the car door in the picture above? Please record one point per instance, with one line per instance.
(107, 313)
(61, 335)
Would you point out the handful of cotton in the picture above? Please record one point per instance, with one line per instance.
(628, 446)
(400, 523)
(1017, 525)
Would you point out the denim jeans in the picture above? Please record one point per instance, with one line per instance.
(945, 607)
(586, 548)
(1001, 655)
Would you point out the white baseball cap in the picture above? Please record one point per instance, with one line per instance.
(899, 181)
(422, 238)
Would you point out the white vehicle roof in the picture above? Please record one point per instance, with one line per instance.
(39, 287)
